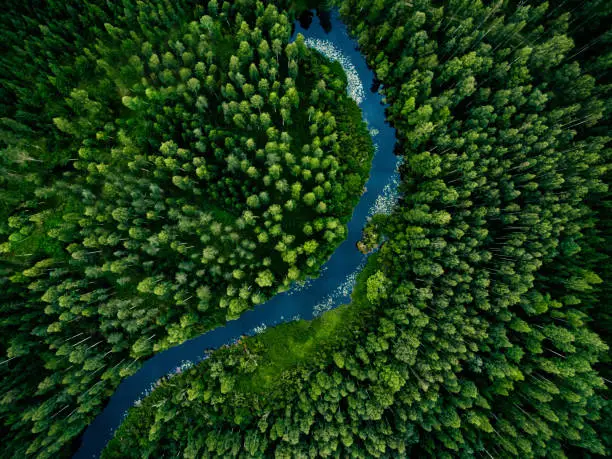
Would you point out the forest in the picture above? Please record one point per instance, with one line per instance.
(168, 165)
(188, 164)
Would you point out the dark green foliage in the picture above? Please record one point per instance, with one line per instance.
(160, 162)
(493, 276)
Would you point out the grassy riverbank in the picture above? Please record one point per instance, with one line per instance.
(302, 344)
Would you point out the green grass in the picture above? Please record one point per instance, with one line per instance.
(305, 343)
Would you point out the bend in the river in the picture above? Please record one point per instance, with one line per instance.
(331, 289)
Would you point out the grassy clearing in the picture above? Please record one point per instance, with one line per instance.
(307, 343)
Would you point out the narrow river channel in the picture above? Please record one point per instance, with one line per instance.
(331, 289)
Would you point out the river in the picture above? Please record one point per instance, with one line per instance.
(331, 289)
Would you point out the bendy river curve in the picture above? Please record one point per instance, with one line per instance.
(304, 300)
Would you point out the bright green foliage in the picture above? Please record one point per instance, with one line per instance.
(494, 270)
(146, 189)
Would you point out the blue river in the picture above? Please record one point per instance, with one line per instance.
(334, 285)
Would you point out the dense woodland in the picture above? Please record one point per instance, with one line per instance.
(165, 166)
(481, 328)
